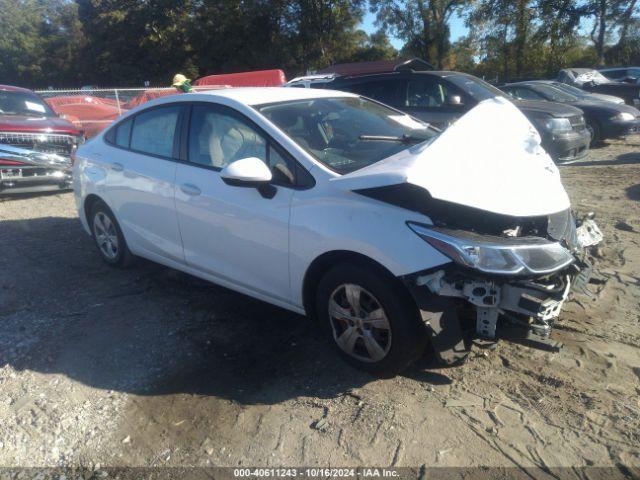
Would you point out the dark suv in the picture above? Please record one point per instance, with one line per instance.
(440, 97)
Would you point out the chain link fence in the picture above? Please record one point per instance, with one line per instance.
(92, 110)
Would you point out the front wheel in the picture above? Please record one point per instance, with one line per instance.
(369, 319)
(594, 132)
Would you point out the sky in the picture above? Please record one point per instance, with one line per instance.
(458, 28)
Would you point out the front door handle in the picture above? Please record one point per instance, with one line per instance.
(117, 167)
(190, 189)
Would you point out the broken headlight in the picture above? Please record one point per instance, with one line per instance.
(500, 255)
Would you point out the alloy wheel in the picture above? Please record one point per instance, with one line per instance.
(106, 235)
(359, 323)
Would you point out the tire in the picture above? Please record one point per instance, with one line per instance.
(594, 131)
(390, 339)
(108, 237)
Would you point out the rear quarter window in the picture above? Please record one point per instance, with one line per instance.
(122, 134)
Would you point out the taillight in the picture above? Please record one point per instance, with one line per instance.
(5, 161)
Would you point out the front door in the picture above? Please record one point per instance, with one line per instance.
(433, 100)
(237, 235)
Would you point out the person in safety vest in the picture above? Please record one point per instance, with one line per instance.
(182, 83)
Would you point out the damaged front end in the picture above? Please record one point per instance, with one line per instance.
(486, 196)
(504, 286)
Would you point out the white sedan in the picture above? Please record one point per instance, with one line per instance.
(390, 233)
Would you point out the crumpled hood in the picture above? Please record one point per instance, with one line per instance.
(490, 159)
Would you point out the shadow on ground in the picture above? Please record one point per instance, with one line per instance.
(633, 192)
(624, 159)
(151, 330)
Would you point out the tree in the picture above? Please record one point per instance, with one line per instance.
(559, 20)
(606, 14)
(325, 30)
(422, 24)
(373, 47)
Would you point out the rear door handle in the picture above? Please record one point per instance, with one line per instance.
(190, 189)
(117, 167)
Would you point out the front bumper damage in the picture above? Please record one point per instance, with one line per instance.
(27, 171)
(477, 307)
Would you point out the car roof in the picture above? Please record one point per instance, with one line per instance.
(616, 68)
(377, 66)
(261, 95)
(579, 70)
(330, 77)
(11, 88)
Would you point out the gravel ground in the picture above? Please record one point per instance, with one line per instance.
(151, 367)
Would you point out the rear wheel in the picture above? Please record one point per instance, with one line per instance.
(108, 237)
(369, 319)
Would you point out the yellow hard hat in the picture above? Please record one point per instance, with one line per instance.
(179, 79)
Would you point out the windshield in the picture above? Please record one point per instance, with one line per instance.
(476, 88)
(569, 89)
(554, 94)
(591, 76)
(22, 103)
(346, 133)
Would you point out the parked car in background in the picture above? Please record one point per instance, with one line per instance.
(35, 144)
(440, 98)
(604, 119)
(622, 74)
(388, 232)
(593, 81)
(257, 78)
(577, 92)
(90, 112)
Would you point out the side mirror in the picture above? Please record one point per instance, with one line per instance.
(246, 172)
(454, 100)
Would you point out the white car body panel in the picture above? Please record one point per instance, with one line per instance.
(234, 233)
(328, 220)
(490, 159)
(264, 247)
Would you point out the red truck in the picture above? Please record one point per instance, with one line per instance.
(36, 145)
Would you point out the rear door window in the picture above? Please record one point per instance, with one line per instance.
(154, 131)
(389, 91)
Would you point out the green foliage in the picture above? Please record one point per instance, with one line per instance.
(422, 24)
(126, 42)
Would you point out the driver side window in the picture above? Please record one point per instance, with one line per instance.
(217, 139)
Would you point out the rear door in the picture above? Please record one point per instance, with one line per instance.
(237, 235)
(141, 168)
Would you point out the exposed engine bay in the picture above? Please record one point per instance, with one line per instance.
(521, 308)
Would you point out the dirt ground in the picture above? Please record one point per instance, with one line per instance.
(151, 367)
